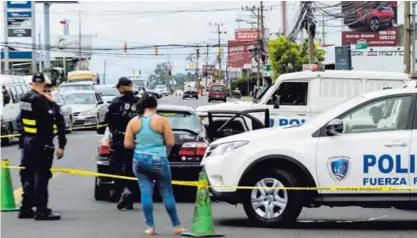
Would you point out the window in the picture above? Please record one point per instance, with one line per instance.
(292, 94)
(20, 90)
(182, 120)
(14, 94)
(217, 88)
(98, 98)
(383, 115)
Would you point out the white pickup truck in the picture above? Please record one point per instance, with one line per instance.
(296, 97)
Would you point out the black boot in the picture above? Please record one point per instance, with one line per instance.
(46, 215)
(25, 213)
(126, 202)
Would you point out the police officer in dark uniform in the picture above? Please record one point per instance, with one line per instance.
(120, 111)
(38, 151)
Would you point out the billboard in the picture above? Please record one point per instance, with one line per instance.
(238, 54)
(246, 35)
(19, 4)
(211, 69)
(371, 22)
(68, 45)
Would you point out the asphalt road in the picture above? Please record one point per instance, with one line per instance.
(72, 196)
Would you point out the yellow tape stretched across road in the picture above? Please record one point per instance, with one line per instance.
(200, 184)
(73, 129)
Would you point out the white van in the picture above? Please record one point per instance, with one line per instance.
(303, 95)
(17, 86)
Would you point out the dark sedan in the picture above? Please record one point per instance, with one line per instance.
(190, 93)
(191, 141)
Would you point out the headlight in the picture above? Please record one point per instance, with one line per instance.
(224, 148)
(86, 113)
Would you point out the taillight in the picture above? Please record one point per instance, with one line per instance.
(193, 149)
(104, 148)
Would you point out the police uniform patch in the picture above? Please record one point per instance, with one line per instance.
(133, 107)
(127, 106)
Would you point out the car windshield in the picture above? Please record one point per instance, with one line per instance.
(57, 98)
(139, 83)
(217, 88)
(160, 87)
(108, 91)
(80, 98)
(182, 120)
(67, 88)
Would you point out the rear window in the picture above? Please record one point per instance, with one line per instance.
(217, 88)
(67, 87)
(182, 120)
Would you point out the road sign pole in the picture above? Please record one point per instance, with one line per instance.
(6, 42)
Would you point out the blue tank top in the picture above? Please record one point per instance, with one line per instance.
(149, 141)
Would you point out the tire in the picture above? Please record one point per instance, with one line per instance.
(391, 23)
(196, 97)
(183, 98)
(224, 100)
(209, 100)
(374, 24)
(100, 194)
(290, 211)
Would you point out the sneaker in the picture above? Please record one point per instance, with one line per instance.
(125, 202)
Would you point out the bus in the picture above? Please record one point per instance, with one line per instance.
(82, 75)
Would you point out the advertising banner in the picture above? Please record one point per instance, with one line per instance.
(20, 32)
(238, 54)
(246, 35)
(19, 4)
(371, 22)
(343, 60)
(68, 45)
(211, 69)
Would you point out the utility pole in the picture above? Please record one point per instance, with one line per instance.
(47, 64)
(219, 57)
(79, 38)
(207, 57)
(310, 37)
(323, 32)
(104, 73)
(6, 41)
(197, 81)
(33, 36)
(407, 37)
(413, 51)
(258, 74)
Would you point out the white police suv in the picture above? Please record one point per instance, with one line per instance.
(365, 141)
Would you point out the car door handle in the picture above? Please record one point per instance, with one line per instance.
(396, 145)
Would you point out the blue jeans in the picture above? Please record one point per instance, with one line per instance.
(149, 168)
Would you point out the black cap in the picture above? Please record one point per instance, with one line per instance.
(123, 81)
(38, 77)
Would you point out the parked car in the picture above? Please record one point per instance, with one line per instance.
(88, 108)
(107, 92)
(217, 92)
(191, 141)
(66, 110)
(76, 86)
(162, 89)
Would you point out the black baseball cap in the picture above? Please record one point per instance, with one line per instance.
(38, 77)
(123, 81)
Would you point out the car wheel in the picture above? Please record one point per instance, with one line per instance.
(224, 100)
(272, 207)
(183, 97)
(196, 97)
(6, 141)
(209, 100)
(374, 24)
(100, 193)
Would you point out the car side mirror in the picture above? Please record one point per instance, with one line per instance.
(100, 102)
(334, 127)
(277, 102)
(101, 130)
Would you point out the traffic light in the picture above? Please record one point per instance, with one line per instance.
(219, 51)
(156, 51)
(198, 52)
(125, 47)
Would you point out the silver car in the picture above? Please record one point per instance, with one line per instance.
(107, 92)
(66, 110)
(88, 108)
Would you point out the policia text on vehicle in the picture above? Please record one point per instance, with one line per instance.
(39, 121)
(121, 110)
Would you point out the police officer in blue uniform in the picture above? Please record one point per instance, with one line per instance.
(37, 119)
(121, 110)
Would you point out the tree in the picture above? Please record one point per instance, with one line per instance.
(287, 56)
(160, 75)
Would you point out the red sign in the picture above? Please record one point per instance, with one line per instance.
(211, 69)
(246, 35)
(238, 54)
(388, 37)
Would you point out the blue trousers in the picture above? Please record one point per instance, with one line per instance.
(149, 168)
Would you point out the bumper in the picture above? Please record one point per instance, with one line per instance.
(217, 98)
(229, 197)
(84, 121)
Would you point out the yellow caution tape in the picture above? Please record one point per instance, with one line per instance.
(73, 129)
(205, 184)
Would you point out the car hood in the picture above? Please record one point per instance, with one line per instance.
(233, 106)
(262, 134)
(81, 107)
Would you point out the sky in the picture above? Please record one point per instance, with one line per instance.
(113, 22)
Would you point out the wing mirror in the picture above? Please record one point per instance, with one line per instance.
(334, 127)
(277, 102)
(100, 102)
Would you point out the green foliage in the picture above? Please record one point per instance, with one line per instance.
(286, 56)
(160, 74)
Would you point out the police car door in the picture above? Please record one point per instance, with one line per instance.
(294, 105)
(372, 150)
